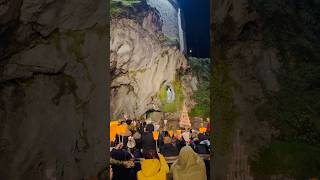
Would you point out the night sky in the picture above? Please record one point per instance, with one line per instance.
(197, 26)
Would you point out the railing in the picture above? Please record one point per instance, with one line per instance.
(171, 159)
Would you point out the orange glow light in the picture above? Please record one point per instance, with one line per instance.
(170, 133)
(202, 130)
(178, 132)
(155, 135)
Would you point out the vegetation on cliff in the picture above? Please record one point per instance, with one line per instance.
(131, 9)
(201, 69)
(176, 105)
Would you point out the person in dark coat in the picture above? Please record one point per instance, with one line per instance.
(122, 164)
(202, 146)
(137, 138)
(202, 137)
(202, 149)
(148, 143)
(161, 137)
(167, 148)
(141, 127)
(179, 142)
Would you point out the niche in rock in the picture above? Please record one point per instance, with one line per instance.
(170, 94)
(154, 115)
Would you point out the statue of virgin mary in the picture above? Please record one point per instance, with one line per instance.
(170, 95)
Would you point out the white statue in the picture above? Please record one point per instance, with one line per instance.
(170, 95)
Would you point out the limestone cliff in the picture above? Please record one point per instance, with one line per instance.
(52, 89)
(142, 65)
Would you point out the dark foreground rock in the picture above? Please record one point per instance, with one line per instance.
(53, 90)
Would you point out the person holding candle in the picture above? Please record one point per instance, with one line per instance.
(155, 135)
(148, 142)
(179, 141)
(203, 146)
(167, 148)
(125, 133)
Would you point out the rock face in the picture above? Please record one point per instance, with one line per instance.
(244, 68)
(256, 56)
(140, 65)
(169, 17)
(52, 89)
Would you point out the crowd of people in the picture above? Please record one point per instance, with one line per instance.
(137, 155)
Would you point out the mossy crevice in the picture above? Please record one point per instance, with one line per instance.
(176, 105)
(222, 105)
(67, 84)
(76, 43)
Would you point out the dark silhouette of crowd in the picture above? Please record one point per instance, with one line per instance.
(134, 155)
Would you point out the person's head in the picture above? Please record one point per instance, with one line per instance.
(187, 155)
(149, 128)
(132, 131)
(196, 141)
(177, 136)
(131, 142)
(202, 137)
(194, 134)
(125, 116)
(167, 140)
(129, 121)
(165, 133)
(150, 154)
(121, 155)
(189, 165)
(137, 135)
(134, 122)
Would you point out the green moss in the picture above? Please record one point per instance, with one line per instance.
(56, 40)
(222, 106)
(201, 96)
(113, 117)
(75, 46)
(25, 82)
(134, 73)
(176, 105)
(171, 39)
(201, 70)
(115, 9)
(129, 2)
(119, 7)
(168, 39)
(293, 110)
(77, 41)
(293, 159)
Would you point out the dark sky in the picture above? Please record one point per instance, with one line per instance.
(197, 21)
